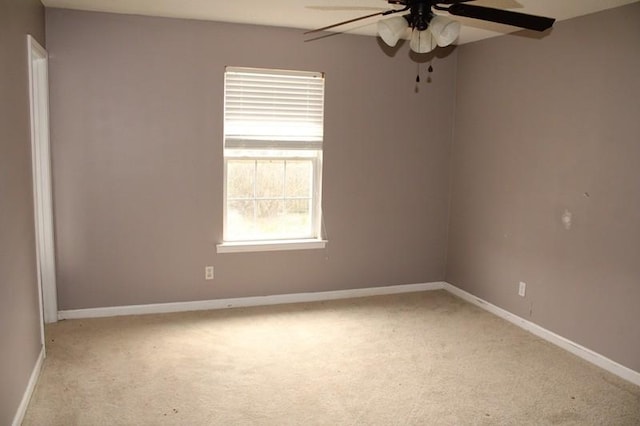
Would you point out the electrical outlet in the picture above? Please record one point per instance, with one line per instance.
(522, 289)
(208, 272)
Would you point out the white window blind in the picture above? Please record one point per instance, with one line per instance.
(273, 109)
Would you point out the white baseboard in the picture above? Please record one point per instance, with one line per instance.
(24, 403)
(278, 299)
(576, 349)
(566, 344)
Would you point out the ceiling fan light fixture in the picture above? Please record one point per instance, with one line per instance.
(422, 41)
(445, 31)
(391, 30)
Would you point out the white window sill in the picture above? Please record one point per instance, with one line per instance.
(249, 246)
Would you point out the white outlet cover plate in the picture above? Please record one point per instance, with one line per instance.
(522, 288)
(208, 272)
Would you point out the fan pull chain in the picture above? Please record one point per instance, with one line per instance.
(430, 70)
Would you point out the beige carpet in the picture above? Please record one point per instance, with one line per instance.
(414, 359)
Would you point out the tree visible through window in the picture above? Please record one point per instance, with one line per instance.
(273, 154)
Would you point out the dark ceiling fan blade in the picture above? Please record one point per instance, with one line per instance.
(522, 20)
(386, 12)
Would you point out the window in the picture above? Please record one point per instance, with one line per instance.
(273, 131)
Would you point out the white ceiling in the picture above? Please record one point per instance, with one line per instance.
(309, 14)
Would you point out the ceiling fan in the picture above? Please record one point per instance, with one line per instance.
(429, 29)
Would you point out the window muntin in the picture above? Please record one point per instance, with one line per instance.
(273, 154)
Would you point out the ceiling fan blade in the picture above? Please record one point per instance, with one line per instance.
(343, 23)
(344, 8)
(522, 20)
(386, 12)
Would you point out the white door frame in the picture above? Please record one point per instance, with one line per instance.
(42, 192)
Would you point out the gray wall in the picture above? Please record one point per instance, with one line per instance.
(544, 126)
(137, 156)
(19, 310)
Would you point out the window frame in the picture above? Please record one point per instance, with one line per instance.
(313, 241)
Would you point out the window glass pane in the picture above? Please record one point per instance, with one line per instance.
(241, 219)
(298, 216)
(270, 178)
(240, 178)
(283, 219)
(280, 207)
(299, 178)
(298, 207)
(269, 209)
(269, 218)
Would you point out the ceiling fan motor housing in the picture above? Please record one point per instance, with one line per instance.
(420, 15)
